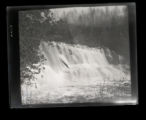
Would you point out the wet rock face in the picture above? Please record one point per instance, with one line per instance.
(112, 57)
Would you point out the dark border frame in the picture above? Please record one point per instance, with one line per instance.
(14, 59)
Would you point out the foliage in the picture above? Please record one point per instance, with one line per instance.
(35, 26)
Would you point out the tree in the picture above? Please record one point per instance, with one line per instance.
(33, 26)
(36, 26)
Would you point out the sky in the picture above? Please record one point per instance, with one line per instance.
(61, 12)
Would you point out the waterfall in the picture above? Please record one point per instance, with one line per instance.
(78, 62)
(72, 65)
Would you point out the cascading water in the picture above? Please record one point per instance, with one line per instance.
(72, 65)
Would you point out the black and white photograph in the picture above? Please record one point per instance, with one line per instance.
(74, 55)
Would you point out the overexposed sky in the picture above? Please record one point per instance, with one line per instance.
(60, 12)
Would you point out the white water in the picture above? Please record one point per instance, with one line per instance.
(71, 65)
